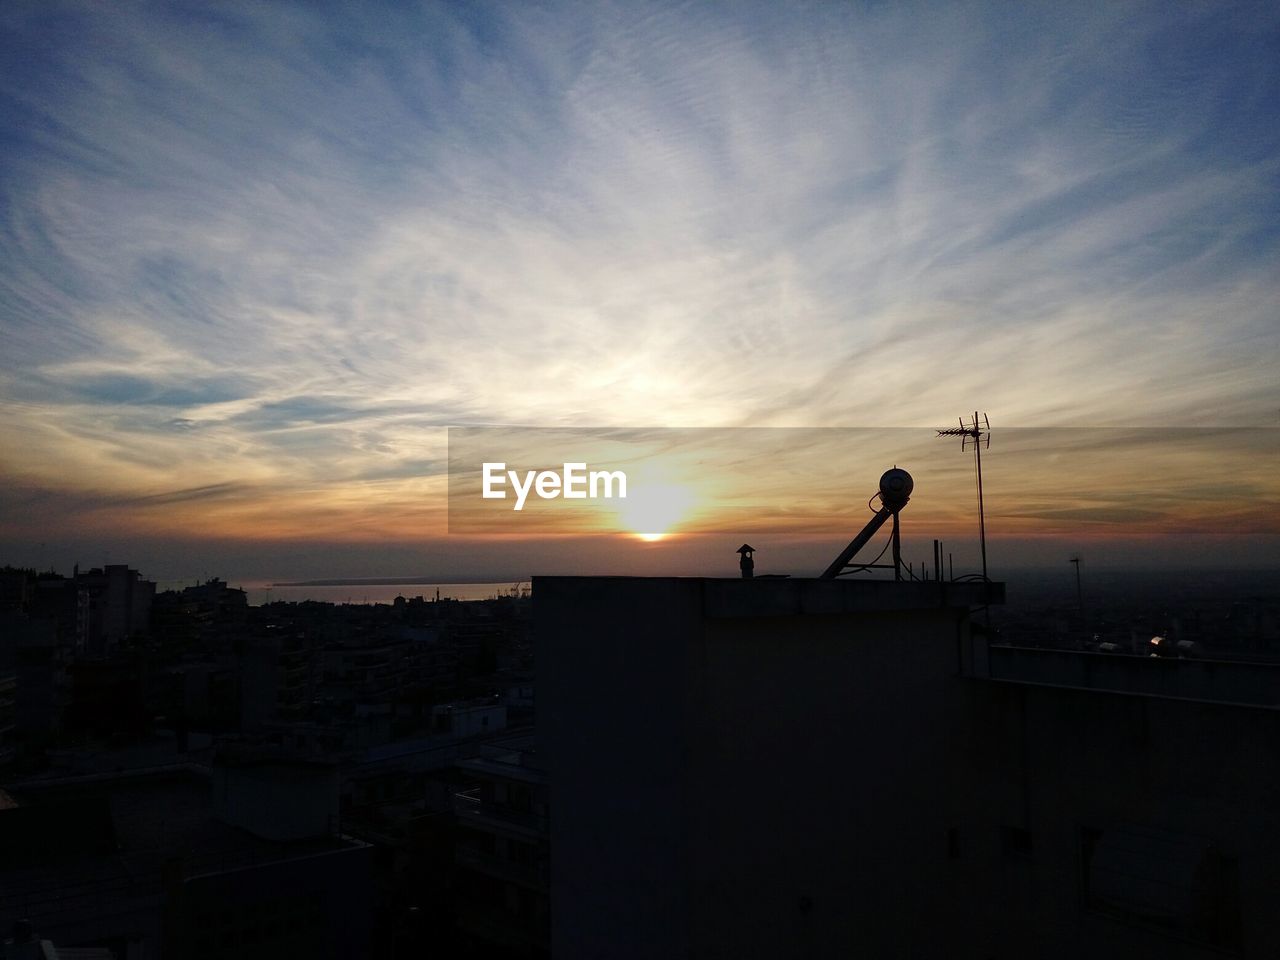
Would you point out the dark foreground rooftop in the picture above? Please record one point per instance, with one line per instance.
(791, 596)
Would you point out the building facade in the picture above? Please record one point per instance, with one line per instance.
(799, 768)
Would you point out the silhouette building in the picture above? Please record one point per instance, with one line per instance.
(112, 603)
(501, 881)
(812, 768)
(244, 858)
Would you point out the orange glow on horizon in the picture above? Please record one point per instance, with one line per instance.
(1140, 489)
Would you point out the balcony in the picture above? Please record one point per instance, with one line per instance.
(533, 875)
(469, 808)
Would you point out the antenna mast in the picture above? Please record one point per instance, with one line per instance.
(979, 435)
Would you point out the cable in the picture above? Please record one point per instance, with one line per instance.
(864, 566)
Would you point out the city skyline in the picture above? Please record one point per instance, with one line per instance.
(257, 259)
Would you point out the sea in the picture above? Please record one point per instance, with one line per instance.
(263, 591)
(1024, 587)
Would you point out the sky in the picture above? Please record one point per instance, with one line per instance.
(255, 259)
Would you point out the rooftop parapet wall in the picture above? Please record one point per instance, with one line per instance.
(791, 596)
(1215, 681)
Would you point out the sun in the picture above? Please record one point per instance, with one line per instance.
(650, 511)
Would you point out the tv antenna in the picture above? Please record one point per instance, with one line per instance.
(1079, 593)
(895, 490)
(979, 435)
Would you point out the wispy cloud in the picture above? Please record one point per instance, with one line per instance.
(267, 246)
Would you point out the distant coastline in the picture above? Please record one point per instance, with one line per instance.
(390, 581)
(354, 590)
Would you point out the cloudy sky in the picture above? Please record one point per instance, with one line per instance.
(255, 258)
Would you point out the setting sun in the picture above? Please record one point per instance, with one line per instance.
(651, 511)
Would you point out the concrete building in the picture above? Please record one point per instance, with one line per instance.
(502, 878)
(469, 718)
(25, 945)
(800, 768)
(113, 603)
(244, 859)
(41, 688)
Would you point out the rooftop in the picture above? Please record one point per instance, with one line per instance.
(1241, 683)
(130, 827)
(792, 596)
